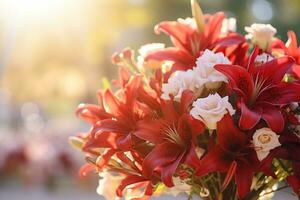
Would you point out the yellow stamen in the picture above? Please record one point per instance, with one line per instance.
(172, 135)
(198, 15)
(264, 138)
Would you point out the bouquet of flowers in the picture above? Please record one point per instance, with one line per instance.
(215, 115)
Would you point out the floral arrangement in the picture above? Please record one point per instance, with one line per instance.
(216, 115)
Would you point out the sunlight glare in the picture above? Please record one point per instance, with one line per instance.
(24, 11)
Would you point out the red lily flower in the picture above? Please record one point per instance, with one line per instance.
(231, 154)
(291, 49)
(115, 118)
(189, 42)
(134, 177)
(261, 90)
(174, 136)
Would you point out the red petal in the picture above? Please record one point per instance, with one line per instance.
(91, 113)
(169, 111)
(274, 71)
(229, 175)
(149, 130)
(131, 89)
(111, 102)
(213, 27)
(161, 156)
(278, 44)
(100, 100)
(191, 158)
(281, 94)
(233, 39)
(124, 75)
(249, 118)
(265, 165)
(239, 79)
(168, 171)
(273, 117)
(183, 128)
(125, 142)
(104, 158)
(103, 140)
(213, 161)
(126, 160)
(149, 189)
(243, 179)
(149, 99)
(171, 54)
(109, 125)
(293, 44)
(186, 100)
(296, 71)
(238, 54)
(129, 180)
(180, 33)
(197, 127)
(85, 169)
(228, 135)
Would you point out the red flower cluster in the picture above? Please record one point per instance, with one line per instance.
(151, 139)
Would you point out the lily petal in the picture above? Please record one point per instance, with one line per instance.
(239, 79)
(249, 118)
(273, 117)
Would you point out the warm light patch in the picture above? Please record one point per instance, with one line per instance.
(31, 10)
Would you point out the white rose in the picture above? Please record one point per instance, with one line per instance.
(180, 81)
(264, 140)
(144, 51)
(228, 25)
(211, 109)
(205, 71)
(263, 58)
(261, 34)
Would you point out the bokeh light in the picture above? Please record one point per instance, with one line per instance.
(262, 10)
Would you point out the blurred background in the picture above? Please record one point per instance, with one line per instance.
(54, 55)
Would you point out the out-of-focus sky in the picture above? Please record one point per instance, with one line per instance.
(55, 53)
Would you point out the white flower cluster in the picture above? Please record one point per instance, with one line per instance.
(212, 108)
(205, 71)
(261, 34)
(203, 75)
(180, 81)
